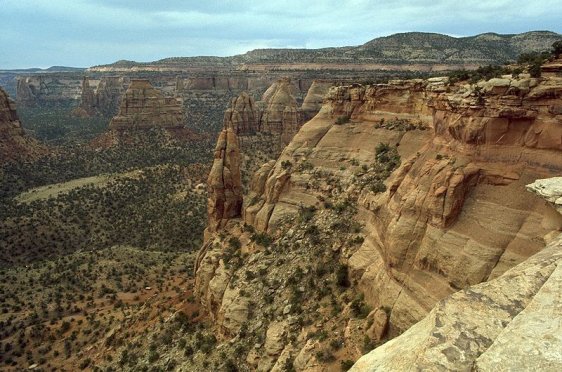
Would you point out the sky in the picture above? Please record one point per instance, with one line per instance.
(83, 33)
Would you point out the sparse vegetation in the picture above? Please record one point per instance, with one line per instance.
(401, 124)
(343, 119)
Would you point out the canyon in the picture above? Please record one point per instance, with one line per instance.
(207, 84)
(364, 210)
(454, 213)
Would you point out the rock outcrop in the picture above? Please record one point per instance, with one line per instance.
(314, 98)
(144, 106)
(483, 146)
(14, 144)
(103, 99)
(49, 89)
(277, 113)
(243, 115)
(88, 103)
(508, 322)
(224, 184)
(549, 189)
(511, 321)
(431, 175)
(281, 114)
(146, 116)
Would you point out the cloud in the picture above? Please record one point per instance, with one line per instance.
(90, 32)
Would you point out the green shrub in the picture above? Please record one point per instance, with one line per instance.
(286, 164)
(234, 243)
(343, 119)
(359, 308)
(557, 48)
(342, 276)
(306, 213)
(262, 239)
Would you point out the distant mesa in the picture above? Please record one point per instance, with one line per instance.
(412, 51)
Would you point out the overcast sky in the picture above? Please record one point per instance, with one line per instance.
(82, 33)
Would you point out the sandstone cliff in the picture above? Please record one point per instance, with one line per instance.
(509, 322)
(281, 114)
(146, 116)
(14, 144)
(243, 115)
(314, 98)
(144, 106)
(224, 183)
(433, 178)
(277, 113)
(102, 99)
(483, 145)
(51, 89)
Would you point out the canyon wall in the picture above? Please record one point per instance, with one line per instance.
(505, 322)
(435, 174)
(14, 143)
(146, 115)
(53, 89)
(480, 148)
(100, 97)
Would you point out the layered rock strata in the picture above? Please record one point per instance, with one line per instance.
(144, 106)
(281, 114)
(456, 212)
(314, 98)
(242, 115)
(54, 89)
(14, 143)
(511, 321)
(277, 113)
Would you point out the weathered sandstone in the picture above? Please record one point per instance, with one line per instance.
(281, 114)
(456, 213)
(242, 115)
(511, 321)
(453, 214)
(224, 185)
(14, 143)
(144, 106)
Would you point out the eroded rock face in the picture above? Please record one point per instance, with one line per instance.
(144, 106)
(549, 189)
(277, 113)
(510, 322)
(456, 212)
(281, 114)
(243, 115)
(88, 102)
(14, 144)
(314, 98)
(224, 185)
(48, 90)
(108, 95)
(453, 214)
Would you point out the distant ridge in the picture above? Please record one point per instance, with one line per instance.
(402, 48)
(35, 70)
